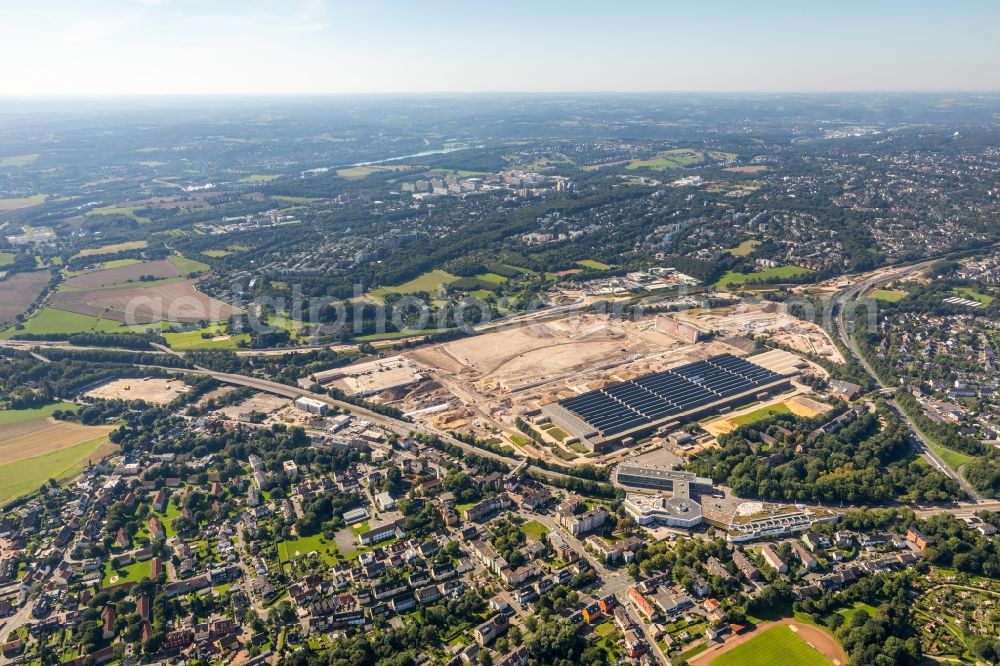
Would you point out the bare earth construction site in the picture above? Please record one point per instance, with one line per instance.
(486, 384)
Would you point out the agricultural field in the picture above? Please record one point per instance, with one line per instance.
(18, 292)
(123, 273)
(259, 178)
(40, 448)
(429, 282)
(735, 279)
(112, 249)
(362, 172)
(169, 300)
(780, 644)
(54, 320)
(125, 211)
(22, 202)
(17, 160)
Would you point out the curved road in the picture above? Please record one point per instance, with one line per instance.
(852, 294)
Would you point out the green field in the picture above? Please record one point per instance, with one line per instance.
(951, 457)
(734, 279)
(22, 202)
(593, 265)
(51, 320)
(10, 416)
(778, 645)
(534, 530)
(111, 249)
(491, 277)
(429, 282)
(849, 613)
(669, 159)
(186, 266)
(132, 573)
(6, 258)
(24, 476)
(189, 340)
(301, 546)
(215, 254)
(973, 295)
(125, 211)
(394, 335)
(744, 248)
(761, 414)
(888, 295)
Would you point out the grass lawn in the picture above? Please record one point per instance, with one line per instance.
(6, 258)
(952, 458)
(133, 573)
(168, 517)
(9, 416)
(557, 432)
(215, 254)
(761, 414)
(24, 476)
(578, 447)
(744, 248)
(734, 279)
(593, 265)
(888, 295)
(186, 266)
(194, 339)
(429, 282)
(778, 645)
(973, 295)
(849, 613)
(52, 320)
(392, 335)
(534, 530)
(301, 546)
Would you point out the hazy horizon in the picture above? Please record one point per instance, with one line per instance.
(320, 47)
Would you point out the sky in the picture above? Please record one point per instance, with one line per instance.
(140, 47)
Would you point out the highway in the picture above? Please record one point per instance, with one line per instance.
(852, 294)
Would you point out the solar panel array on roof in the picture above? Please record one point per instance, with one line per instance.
(630, 404)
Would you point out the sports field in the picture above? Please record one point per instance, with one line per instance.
(777, 645)
(761, 414)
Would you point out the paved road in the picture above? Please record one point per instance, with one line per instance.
(853, 293)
